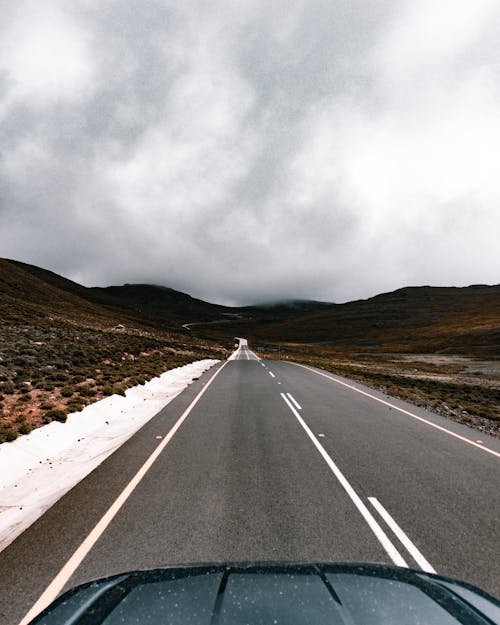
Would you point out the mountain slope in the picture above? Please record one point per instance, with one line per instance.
(425, 319)
(26, 294)
(412, 319)
(44, 292)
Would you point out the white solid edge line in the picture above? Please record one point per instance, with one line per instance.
(271, 374)
(60, 580)
(294, 401)
(384, 540)
(406, 412)
(402, 537)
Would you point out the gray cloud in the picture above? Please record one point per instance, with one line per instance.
(326, 150)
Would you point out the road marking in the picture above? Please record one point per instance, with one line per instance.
(294, 401)
(406, 412)
(402, 537)
(60, 580)
(271, 374)
(366, 514)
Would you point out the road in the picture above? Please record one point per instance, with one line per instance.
(270, 460)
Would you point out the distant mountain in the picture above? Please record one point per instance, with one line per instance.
(411, 319)
(29, 290)
(426, 319)
(289, 305)
(159, 302)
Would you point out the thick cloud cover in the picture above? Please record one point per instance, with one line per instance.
(326, 149)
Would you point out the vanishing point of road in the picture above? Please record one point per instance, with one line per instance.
(271, 460)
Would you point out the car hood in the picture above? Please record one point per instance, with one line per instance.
(273, 594)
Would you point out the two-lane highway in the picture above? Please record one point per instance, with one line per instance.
(269, 460)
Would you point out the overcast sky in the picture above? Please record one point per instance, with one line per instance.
(254, 150)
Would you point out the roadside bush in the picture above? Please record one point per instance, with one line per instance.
(75, 405)
(7, 435)
(55, 415)
(86, 391)
(24, 429)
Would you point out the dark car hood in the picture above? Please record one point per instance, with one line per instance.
(273, 594)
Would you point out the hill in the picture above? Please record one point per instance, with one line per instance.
(42, 291)
(412, 319)
(63, 346)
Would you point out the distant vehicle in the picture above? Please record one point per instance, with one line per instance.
(274, 594)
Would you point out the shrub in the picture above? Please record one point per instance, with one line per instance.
(86, 391)
(59, 377)
(55, 415)
(8, 388)
(7, 435)
(75, 405)
(46, 405)
(67, 391)
(24, 429)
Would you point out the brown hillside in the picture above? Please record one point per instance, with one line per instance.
(413, 319)
(24, 296)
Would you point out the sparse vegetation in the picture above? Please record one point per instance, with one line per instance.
(59, 353)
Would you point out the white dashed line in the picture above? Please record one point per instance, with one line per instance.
(382, 537)
(402, 537)
(294, 402)
(406, 412)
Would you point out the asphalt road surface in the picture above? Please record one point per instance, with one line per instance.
(270, 460)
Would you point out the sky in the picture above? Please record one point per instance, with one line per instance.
(254, 151)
